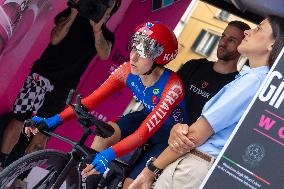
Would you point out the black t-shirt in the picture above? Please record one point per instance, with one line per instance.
(63, 64)
(201, 83)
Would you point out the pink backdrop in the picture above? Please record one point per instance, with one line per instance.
(15, 64)
(18, 56)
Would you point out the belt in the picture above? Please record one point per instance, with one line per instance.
(201, 155)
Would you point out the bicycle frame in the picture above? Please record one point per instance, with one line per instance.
(79, 150)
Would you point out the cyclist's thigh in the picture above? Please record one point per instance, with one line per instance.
(154, 151)
(130, 122)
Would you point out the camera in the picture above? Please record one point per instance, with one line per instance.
(91, 9)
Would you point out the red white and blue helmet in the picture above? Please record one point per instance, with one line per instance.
(155, 40)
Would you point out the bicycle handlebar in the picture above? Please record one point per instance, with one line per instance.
(85, 118)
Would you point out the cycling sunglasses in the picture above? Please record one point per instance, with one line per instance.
(145, 46)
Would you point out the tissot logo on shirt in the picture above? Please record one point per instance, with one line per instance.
(204, 84)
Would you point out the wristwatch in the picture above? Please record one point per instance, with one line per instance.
(152, 167)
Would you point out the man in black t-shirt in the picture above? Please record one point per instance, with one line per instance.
(203, 78)
(203, 83)
(74, 42)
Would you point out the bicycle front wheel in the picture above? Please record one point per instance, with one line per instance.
(52, 160)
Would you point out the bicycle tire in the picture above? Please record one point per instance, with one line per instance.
(53, 160)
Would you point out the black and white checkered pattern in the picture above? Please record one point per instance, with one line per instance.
(31, 96)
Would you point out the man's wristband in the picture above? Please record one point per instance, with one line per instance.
(152, 167)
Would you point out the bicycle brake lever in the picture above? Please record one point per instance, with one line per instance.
(102, 129)
(80, 109)
(69, 98)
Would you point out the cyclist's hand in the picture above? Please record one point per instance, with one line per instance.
(144, 180)
(30, 130)
(30, 126)
(102, 160)
(89, 170)
(39, 123)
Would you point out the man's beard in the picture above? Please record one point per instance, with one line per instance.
(226, 56)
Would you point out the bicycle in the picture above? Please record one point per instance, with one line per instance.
(61, 166)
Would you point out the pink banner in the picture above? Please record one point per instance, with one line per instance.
(24, 29)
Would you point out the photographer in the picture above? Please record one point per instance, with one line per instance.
(79, 34)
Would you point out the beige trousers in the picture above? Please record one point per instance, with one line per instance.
(187, 172)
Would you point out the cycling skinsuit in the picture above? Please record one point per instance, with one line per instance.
(164, 105)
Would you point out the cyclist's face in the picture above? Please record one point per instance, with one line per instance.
(142, 45)
(138, 64)
(145, 46)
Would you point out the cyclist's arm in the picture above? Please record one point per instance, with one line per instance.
(115, 82)
(172, 95)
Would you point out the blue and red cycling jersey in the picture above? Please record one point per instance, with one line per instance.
(164, 103)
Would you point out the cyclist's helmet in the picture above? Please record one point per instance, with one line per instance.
(154, 40)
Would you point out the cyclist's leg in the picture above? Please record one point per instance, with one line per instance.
(100, 143)
(123, 127)
(158, 142)
(154, 151)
